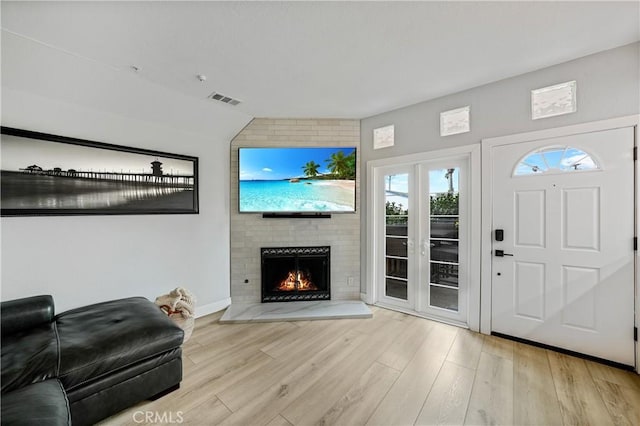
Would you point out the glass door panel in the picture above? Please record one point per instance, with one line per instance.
(444, 224)
(444, 227)
(396, 234)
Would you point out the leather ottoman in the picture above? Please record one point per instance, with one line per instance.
(116, 352)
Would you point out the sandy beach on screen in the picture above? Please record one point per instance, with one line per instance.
(345, 184)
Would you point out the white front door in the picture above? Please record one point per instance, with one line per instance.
(563, 259)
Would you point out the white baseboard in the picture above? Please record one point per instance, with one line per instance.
(212, 307)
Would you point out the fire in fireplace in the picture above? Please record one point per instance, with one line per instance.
(297, 280)
(295, 273)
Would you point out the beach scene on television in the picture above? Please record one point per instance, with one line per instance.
(297, 179)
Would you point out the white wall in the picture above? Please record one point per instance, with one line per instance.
(608, 86)
(86, 259)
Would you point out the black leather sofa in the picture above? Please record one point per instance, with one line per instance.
(85, 364)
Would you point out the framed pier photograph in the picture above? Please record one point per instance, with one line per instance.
(45, 174)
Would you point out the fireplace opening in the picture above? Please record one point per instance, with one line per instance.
(295, 273)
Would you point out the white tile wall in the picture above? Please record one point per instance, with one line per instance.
(250, 232)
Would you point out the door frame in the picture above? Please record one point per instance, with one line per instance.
(472, 152)
(487, 146)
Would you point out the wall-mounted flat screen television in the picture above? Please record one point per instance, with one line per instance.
(297, 180)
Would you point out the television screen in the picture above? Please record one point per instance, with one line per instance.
(297, 180)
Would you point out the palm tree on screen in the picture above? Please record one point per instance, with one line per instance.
(351, 166)
(338, 164)
(343, 166)
(311, 169)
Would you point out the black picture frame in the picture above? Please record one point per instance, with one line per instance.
(51, 175)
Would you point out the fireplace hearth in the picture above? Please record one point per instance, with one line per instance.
(295, 273)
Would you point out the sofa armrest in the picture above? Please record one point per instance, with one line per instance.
(23, 314)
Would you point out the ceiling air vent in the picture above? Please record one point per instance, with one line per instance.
(223, 98)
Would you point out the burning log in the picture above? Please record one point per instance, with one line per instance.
(297, 280)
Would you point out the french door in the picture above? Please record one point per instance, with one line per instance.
(422, 237)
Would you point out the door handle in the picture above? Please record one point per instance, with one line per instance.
(501, 253)
(423, 247)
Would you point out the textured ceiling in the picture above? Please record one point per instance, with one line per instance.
(299, 59)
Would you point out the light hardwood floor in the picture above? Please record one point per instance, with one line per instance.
(392, 369)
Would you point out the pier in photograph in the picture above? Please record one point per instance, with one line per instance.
(156, 177)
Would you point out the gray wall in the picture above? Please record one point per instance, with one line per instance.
(608, 85)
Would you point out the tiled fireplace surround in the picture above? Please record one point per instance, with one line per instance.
(251, 232)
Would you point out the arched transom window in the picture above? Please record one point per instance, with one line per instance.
(555, 159)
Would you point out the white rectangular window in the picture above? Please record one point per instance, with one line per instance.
(383, 137)
(455, 121)
(553, 100)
